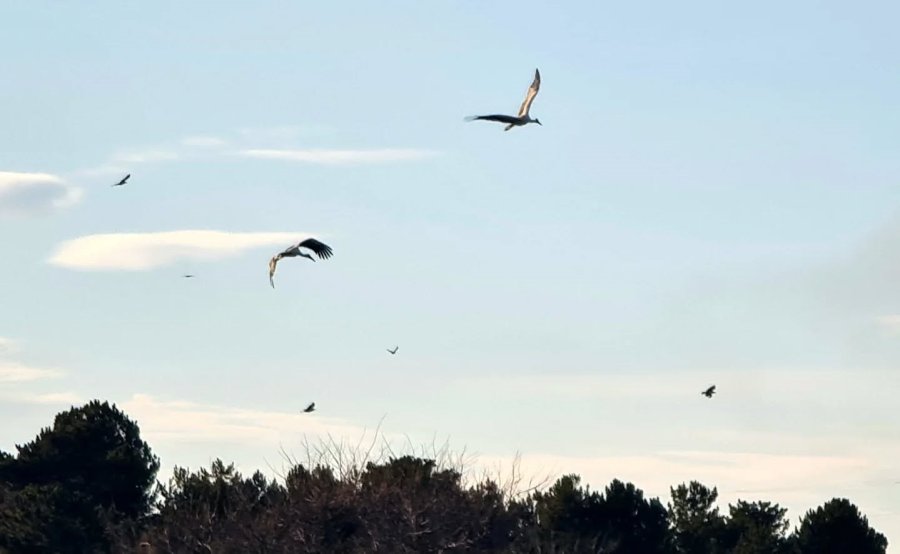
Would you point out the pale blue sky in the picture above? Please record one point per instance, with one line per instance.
(712, 199)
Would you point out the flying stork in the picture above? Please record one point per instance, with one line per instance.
(394, 351)
(320, 249)
(123, 181)
(310, 408)
(709, 392)
(523, 117)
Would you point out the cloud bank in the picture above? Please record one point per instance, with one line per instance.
(15, 372)
(339, 157)
(144, 251)
(180, 421)
(29, 194)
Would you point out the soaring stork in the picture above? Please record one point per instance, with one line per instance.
(310, 408)
(123, 181)
(394, 351)
(709, 392)
(320, 249)
(522, 118)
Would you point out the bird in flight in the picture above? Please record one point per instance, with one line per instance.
(310, 408)
(188, 275)
(709, 392)
(123, 181)
(320, 249)
(394, 351)
(523, 117)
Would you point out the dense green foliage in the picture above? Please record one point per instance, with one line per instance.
(62, 489)
(86, 485)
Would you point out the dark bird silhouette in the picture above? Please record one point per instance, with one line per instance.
(709, 392)
(310, 408)
(123, 181)
(320, 249)
(394, 351)
(523, 117)
(188, 275)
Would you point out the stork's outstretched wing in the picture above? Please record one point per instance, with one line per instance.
(496, 117)
(322, 250)
(529, 96)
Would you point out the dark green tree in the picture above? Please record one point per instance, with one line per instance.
(838, 527)
(697, 526)
(61, 490)
(563, 517)
(95, 451)
(637, 525)
(619, 520)
(757, 528)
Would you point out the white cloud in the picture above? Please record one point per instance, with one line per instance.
(25, 194)
(736, 471)
(14, 372)
(339, 157)
(201, 141)
(62, 398)
(143, 251)
(179, 421)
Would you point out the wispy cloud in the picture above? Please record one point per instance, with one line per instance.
(339, 157)
(15, 372)
(143, 251)
(801, 480)
(28, 194)
(60, 398)
(179, 421)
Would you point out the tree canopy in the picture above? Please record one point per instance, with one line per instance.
(87, 485)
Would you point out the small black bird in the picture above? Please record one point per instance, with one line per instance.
(310, 408)
(188, 275)
(709, 392)
(394, 351)
(123, 181)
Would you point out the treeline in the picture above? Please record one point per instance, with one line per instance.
(88, 484)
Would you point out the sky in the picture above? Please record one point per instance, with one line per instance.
(712, 199)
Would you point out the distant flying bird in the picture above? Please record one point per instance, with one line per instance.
(188, 275)
(709, 392)
(522, 118)
(310, 408)
(322, 250)
(123, 181)
(394, 351)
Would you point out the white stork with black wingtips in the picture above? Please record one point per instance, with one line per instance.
(523, 117)
(320, 249)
